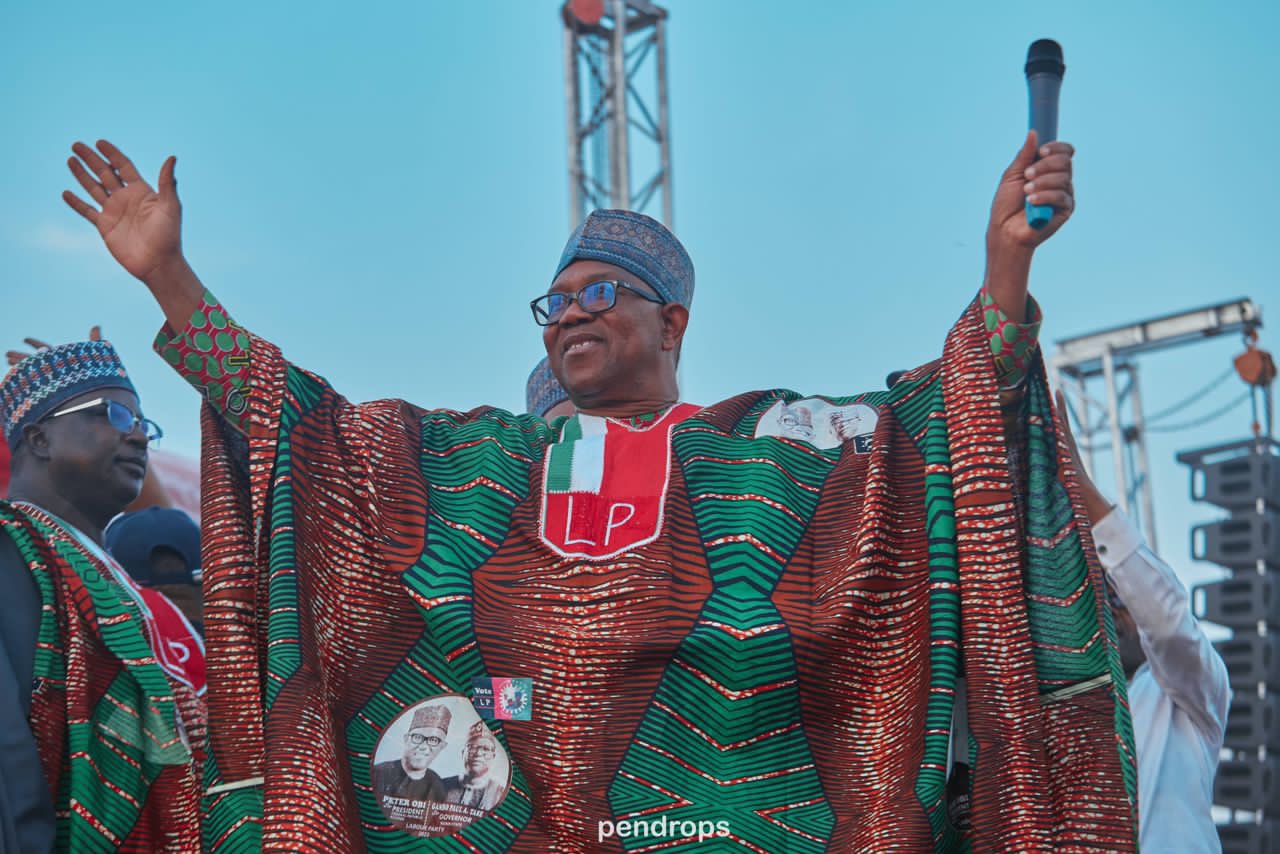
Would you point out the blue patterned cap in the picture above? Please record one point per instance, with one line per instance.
(46, 379)
(543, 390)
(638, 244)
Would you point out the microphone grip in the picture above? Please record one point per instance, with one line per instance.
(1043, 102)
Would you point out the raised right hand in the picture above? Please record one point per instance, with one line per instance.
(140, 226)
(13, 357)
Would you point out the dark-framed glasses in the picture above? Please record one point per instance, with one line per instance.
(429, 740)
(595, 298)
(120, 416)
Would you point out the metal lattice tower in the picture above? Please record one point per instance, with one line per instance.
(615, 59)
(1111, 354)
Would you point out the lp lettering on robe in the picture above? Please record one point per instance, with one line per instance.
(605, 485)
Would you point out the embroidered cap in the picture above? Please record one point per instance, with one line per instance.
(543, 390)
(638, 244)
(479, 732)
(45, 380)
(434, 717)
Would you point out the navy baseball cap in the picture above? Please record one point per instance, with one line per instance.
(133, 537)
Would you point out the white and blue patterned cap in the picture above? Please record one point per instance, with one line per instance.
(638, 244)
(47, 378)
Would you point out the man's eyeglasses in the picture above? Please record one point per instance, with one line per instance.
(429, 740)
(595, 298)
(121, 417)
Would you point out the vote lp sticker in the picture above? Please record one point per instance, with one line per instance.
(437, 768)
(821, 423)
(503, 699)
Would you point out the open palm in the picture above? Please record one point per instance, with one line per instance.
(141, 227)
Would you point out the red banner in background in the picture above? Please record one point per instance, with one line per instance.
(179, 476)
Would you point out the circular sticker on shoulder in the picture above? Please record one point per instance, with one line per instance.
(821, 423)
(437, 768)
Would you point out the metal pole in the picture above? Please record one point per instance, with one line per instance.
(620, 191)
(573, 103)
(1117, 437)
(664, 125)
(1146, 496)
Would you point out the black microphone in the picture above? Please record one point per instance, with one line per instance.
(1044, 79)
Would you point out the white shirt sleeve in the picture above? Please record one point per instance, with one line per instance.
(1182, 659)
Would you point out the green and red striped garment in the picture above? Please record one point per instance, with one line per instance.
(119, 740)
(738, 627)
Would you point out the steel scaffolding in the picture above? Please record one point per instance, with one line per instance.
(1111, 354)
(617, 115)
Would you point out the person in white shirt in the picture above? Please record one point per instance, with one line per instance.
(1178, 688)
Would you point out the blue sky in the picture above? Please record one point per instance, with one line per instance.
(381, 189)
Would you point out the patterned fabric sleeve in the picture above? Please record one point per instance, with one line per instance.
(212, 354)
(1013, 345)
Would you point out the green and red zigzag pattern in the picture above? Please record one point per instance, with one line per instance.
(784, 659)
(103, 712)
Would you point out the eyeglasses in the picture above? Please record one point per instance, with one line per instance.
(595, 298)
(121, 417)
(430, 740)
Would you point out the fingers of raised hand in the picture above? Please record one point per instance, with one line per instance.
(15, 356)
(1057, 147)
(80, 206)
(1049, 181)
(104, 171)
(1052, 188)
(101, 173)
(1057, 161)
(122, 165)
(91, 186)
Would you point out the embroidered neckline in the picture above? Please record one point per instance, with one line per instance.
(644, 420)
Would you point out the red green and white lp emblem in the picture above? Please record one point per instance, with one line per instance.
(605, 484)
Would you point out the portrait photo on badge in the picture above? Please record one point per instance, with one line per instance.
(438, 767)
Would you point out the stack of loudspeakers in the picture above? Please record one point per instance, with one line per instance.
(1243, 478)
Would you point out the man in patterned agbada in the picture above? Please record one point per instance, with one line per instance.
(722, 622)
(103, 725)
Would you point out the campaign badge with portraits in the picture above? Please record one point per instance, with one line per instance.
(438, 767)
(821, 423)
